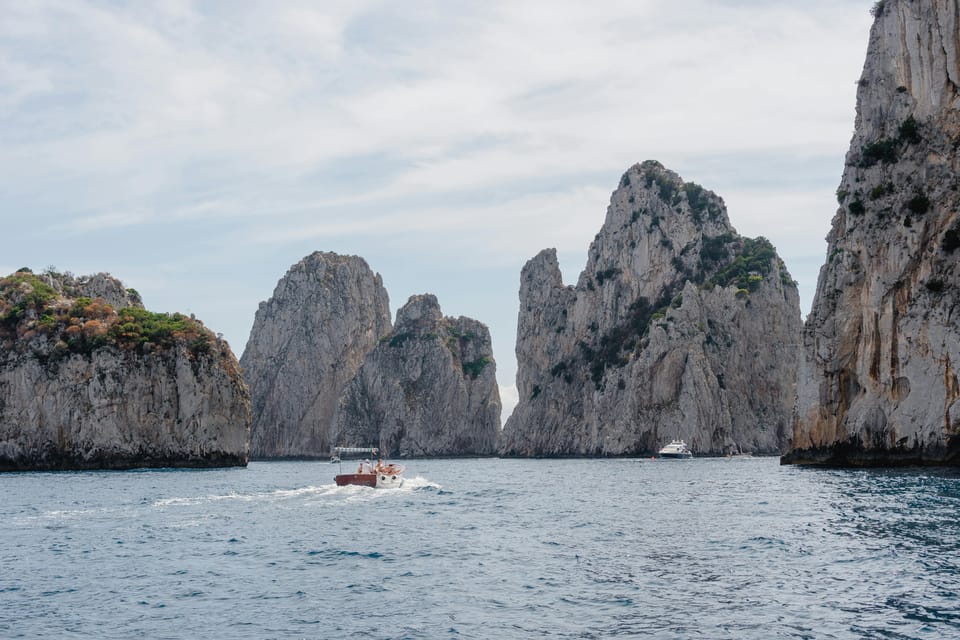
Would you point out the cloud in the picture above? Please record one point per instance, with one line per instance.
(219, 143)
(113, 220)
(558, 88)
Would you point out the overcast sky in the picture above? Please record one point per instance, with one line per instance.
(197, 150)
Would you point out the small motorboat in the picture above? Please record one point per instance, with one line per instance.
(676, 449)
(383, 475)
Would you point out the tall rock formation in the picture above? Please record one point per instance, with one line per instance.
(677, 327)
(881, 346)
(428, 389)
(91, 380)
(307, 342)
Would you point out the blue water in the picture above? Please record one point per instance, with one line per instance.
(706, 548)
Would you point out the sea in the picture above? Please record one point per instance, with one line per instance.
(483, 548)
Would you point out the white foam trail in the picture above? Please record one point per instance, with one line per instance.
(419, 482)
(281, 494)
(351, 492)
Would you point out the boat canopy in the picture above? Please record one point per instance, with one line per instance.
(354, 451)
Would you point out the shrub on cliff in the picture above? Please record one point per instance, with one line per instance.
(884, 151)
(951, 239)
(747, 269)
(22, 294)
(30, 307)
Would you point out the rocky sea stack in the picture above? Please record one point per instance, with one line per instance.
(881, 346)
(428, 389)
(677, 327)
(89, 379)
(307, 342)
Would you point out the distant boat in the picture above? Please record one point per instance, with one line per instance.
(380, 476)
(676, 449)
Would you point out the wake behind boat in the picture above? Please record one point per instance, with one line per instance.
(383, 475)
(676, 449)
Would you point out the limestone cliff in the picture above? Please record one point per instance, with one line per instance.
(881, 347)
(85, 384)
(428, 389)
(677, 327)
(307, 342)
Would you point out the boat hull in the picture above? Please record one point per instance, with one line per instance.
(359, 479)
(389, 482)
(386, 476)
(676, 449)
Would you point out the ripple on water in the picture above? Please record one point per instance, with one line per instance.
(579, 549)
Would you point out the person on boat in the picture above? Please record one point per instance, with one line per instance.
(365, 467)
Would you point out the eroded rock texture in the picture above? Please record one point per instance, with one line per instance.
(91, 380)
(428, 389)
(878, 382)
(677, 327)
(307, 342)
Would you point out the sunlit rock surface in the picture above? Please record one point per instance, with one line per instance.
(677, 327)
(881, 346)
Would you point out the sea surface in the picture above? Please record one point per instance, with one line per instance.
(486, 548)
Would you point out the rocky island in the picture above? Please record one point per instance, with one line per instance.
(89, 379)
(878, 382)
(429, 388)
(307, 342)
(678, 327)
(326, 368)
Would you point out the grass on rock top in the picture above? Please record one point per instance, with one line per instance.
(30, 307)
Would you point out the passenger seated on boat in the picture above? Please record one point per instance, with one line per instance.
(365, 467)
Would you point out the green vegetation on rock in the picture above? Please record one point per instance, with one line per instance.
(887, 150)
(755, 260)
(32, 308)
(21, 294)
(672, 191)
(919, 204)
(884, 151)
(725, 260)
(951, 239)
(475, 367)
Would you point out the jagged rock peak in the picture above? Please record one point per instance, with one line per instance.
(85, 384)
(421, 314)
(429, 388)
(641, 349)
(543, 268)
(913, 64)
(878, 382)
(99, 285)
(307, 342)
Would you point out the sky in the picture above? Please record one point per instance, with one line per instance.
(197, 150)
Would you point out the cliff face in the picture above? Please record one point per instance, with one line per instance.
(84, 385)
(428, 389)
(307, 342)
(878, 381)
(677, 327)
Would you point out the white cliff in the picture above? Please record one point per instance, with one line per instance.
(428, 389)
(677, 327)
(86, 385)
(878, 382)
(307, 342)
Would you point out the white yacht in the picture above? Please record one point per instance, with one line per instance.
(676, 449)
